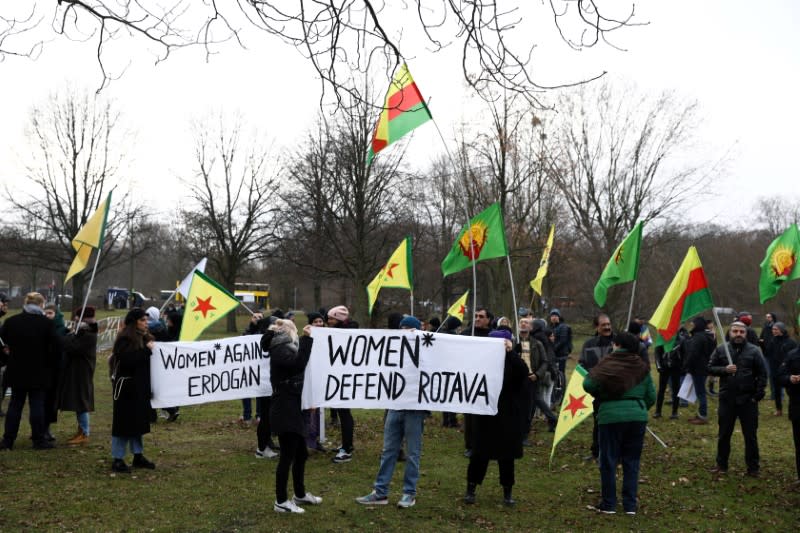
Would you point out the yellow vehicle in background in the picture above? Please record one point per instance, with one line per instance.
(253, 295)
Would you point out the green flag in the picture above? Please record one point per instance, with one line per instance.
(622, 267)
(780, 263)
(488, 241)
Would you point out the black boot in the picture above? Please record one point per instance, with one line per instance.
(140, 461)
(469, 496)
(507, 499)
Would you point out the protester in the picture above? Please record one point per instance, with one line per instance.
(789, 377)
(777, 349)
(742, 383)
(483, 317)
(155, 326)
(339, 317)
(52, 312)
(766, 332)
(499, 437)
(265, 448)
(32, 350)
(699, 348)
(3, 385)
(174, 320)
(622, 383)
(399, 425)
(76, 387)
(311, 416)
(130, 372)
(593, 351)
(563, 334)
(534, 355)
(288, 357)
(669, 365)
(450, 327)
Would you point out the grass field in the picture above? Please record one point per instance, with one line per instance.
(207, 479)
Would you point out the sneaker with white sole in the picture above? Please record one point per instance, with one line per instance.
(373, 499)
(342, 456)
(266, 453)
(287, 507)
(407, 501)
(308, 498)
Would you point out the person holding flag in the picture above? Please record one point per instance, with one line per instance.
(621, 382)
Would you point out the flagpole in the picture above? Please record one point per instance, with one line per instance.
(88, 290)
(513, 290)
(630, 307)
(469, 230)
(412, 301)
(248, 309)
(661, 442)
(171, 296)
(722, 335)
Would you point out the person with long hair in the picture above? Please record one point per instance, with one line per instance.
(288, 357)
(130, 376)
(621, 382)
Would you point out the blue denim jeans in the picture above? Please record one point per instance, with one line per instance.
(399, 425)
(83, 421)
(699, 382)
(620, 443)
(119, 444)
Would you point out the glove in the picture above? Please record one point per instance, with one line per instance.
(266, 340)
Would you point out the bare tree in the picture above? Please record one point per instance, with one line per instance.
(233, 191)
(74, 167)
(776, 213)
(337, 38)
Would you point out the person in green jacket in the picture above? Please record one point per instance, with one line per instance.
(622, 385)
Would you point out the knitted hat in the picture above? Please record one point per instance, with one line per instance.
(501, 333)
(339, 312)
(555, 311)
(781, 326)
(410, 322)
(133, 315)
(312, 316)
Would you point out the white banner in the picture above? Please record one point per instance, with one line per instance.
(187, 373)
(403, 369)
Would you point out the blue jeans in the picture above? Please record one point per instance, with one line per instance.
(699, 382)
(620, 443)
(119, 444)
(399, 424)
(83, 421)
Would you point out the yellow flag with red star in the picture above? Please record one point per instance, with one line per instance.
(206, 303)
(459, 308)
(395, 274)
(575, 407)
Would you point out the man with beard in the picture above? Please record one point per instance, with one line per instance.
(594, 349)
(743, 379)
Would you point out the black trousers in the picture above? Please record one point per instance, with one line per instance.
(36, 414)
(476, 471)
(293, 456)
(347, 426)
(671, 377)
(747, 414)
(263, 430)
(796, 437)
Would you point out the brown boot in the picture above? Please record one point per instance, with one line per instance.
(79, 438)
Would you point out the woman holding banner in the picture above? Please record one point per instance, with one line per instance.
(288, 357)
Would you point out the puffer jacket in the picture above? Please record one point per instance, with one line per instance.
(750, 380)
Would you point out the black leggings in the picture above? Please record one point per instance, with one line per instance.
(293, 455)
(796, 437)
(263, 429)
(346, 421)
(476, 471)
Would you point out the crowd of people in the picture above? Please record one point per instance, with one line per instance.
(52, 368)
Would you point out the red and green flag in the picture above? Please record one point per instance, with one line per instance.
(780, 263)
(688, 295)
(403, 110)
(483, 238)
(622, 267)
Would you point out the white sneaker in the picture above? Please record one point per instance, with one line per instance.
(342, 456)
(287, 507)
(266, 453)
(308, 498)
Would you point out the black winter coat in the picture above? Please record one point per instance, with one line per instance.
(594, 349)
(131, 388)
(698, 349)
(500, 436)
(777, 349)
(287, 365)
(76, 387)
(789, 368)
(750, 380)
(34, 351)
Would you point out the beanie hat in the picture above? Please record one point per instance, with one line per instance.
(339, 312)
(781, 326)
(312, 316)
(452, 322)
(133, 315)
(153, 314)
(435, 322)
(738, 323)
(555, 311)
(393, 320)
(746, 317)
(501, 333)
(538, 324)
(410, 322)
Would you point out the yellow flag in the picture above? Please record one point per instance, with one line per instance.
(575, 407)
(89, 236)
(395, 274)
(207, 302)
(459, 308)
(536, 283)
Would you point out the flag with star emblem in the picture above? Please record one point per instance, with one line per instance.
(459, 308)
(622, 267)
(89, 237)
(575, 407)
(395, 274)
(207, 302)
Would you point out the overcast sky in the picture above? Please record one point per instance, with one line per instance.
(740, 60)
